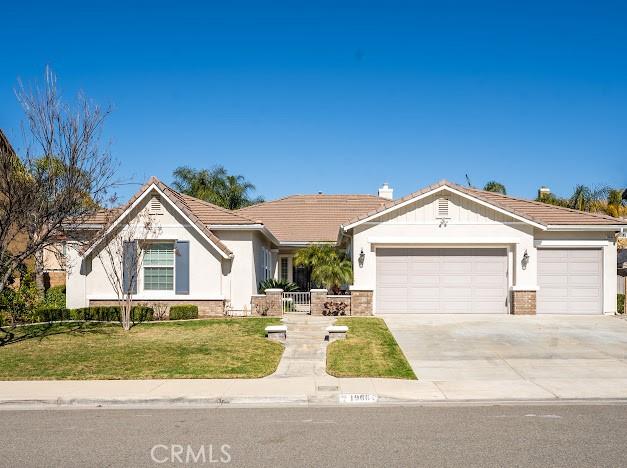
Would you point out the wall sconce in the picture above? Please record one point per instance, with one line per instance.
(525, 260)
(361, 258)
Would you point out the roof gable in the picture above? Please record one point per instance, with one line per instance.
(537, 214)
(174, 198)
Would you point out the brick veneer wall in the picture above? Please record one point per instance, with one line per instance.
(361, 302)
(320, 296)
(206, 308)
(523, 302)
(270, 302)
(54, 278)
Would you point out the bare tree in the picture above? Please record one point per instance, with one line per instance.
(62, 179)
(122, 258)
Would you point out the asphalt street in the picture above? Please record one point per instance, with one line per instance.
(497, 435)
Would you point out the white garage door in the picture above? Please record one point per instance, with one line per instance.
(436, 281)
(570, 281)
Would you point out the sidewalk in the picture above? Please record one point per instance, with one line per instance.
(297, 391)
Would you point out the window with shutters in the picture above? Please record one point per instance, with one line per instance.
(442, 208)
(159, 266)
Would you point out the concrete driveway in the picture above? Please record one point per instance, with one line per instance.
(517, 356)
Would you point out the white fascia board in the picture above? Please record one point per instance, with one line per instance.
(456, 241)
(178, 210)
(246, 227)
(452, 190)
(570, 243)
(303, 243)
(586, 227)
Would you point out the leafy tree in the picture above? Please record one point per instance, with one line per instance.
(216, 186)
(496, 187)
(328, 267)
(615, 205)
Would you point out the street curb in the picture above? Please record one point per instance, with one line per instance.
(276, 401)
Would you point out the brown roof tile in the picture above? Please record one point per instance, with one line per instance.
(538, 212)
(182, 203)
(310, 218)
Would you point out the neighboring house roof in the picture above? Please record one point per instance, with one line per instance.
(310, 218)
(541, 214)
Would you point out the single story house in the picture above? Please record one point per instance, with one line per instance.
(443, 249)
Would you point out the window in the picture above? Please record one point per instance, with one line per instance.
(284, 269)
(159, 267)
(267, 260)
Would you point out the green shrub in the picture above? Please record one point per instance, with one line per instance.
(54, 298)
(271, 283)
(142, 314)
(183, 312)
(51, 314)
(620, 303)
(111, 313)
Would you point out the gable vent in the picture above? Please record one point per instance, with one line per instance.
(443, 208)
(155, 207)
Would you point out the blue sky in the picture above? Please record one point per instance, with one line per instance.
(303, 97)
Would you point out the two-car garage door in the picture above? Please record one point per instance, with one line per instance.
(441, 280)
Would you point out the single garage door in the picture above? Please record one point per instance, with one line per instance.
(570, 281)
(441, 281)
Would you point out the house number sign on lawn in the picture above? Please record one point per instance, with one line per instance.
(358, 398)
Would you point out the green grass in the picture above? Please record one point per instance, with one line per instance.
(369, 350)
(213, 348)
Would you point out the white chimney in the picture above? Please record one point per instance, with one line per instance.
(544, 192)
(386, 192)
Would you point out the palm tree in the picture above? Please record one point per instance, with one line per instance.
(496, 187)
(328, 267)
(215, 186)
(585, 198)
(233, 193)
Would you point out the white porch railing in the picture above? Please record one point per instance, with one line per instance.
(296, 302)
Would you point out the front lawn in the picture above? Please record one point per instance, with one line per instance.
(213, 348)
(369, 350)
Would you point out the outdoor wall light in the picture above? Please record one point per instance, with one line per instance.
(525, 260)
(362, 257)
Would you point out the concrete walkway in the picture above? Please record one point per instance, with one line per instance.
(305, 347)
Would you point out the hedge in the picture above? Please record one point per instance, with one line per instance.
(620, 303)
(102, 313)
(183, 312)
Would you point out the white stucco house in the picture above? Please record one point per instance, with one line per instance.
(443, 249)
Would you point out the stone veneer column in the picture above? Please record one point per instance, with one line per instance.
(524, 302)
(361, 302)
(274, 299)
(318, 298)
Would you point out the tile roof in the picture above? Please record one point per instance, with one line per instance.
(537, 212)
(208, 211)
(310, 218)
